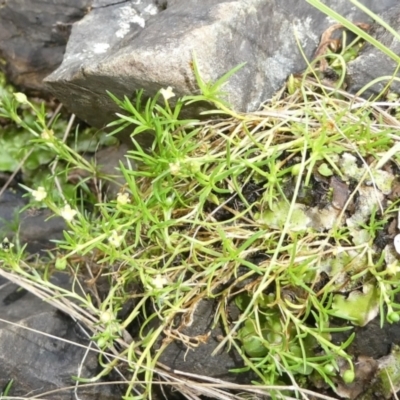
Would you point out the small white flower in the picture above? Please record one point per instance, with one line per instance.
(39, 194)
(167, 93)
(123, 198)
(21, 98)
(174, 168)
(159, 281)
(47, 134)
(115, 239)
(68, 213)
(6, 245)
(106, 317)
(393, 268)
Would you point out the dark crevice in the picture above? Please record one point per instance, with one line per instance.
(110, 5)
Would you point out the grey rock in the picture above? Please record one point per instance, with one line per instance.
(37, 362)
(372, 63)
(372, 340)
(11, 202)
(36, 228)
(39, 228)
(149, 45)
(33, 35)
(198, 359)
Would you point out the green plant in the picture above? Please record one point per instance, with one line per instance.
(351, 51)
(28, 120)
(5, 392)
(358, 31)
(206, 199)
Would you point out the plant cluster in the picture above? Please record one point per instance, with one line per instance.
(207, 202)
(287, 213)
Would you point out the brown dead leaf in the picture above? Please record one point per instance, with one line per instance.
(340, 193)
(328, 43)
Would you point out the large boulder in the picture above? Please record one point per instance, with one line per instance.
(33, 35)
(372, 63)
(130, 45)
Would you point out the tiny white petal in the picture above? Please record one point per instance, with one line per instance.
(115, 239)
(159, 281)
(174, 168)
(123, 198)
(393, 268)
(106, 317)
(167, 93)
(21, 98)
(68, 213)
(6, 245)
(47, 134)
(39, 194)
(396, 243)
